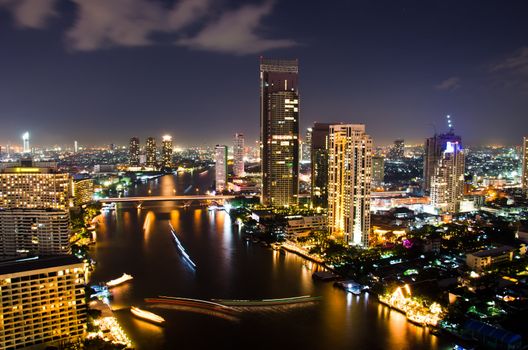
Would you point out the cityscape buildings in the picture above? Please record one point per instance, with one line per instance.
(43, 302)
(133, 151)
(166, 151)
(150, 150)
(220, 168)
(279, 131)
(524, 179)
(25, 142)
(349, 182)
(319, 162)
(378, 170)
(238, 155)
(397, 151)
(307, 145)
(434, 147)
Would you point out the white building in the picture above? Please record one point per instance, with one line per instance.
(221, 167)
(349, 181)
(483, 259)
(238, 155)
(305, 225)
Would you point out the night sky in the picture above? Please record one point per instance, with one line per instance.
(101, 71)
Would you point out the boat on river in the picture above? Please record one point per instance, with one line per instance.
(147, 315)
(117, 281)
(267, 302)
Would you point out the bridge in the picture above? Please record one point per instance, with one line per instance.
(204, 197)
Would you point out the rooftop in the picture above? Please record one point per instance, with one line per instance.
(36, 263)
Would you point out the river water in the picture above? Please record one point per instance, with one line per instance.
(139, 242)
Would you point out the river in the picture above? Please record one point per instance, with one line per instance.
(139, 242)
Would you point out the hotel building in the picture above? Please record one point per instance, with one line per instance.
(221, 168)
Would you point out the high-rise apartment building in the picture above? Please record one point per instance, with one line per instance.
(307, 145)
(434, 147)
(525, 164)
(43, 303)
(349, 181)
(83, 191)
(238, 155)
(150, 150)
(397, 150)
(27, 232)
(166, 151)
(133, 152)
(25, 143)
(32, 187)
(319, 168)
(378, 170)
(447, 183)
(279, 131)
(221, 168)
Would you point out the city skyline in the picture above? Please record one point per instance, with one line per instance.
(399, 86)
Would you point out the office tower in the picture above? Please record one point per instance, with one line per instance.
(397, 151)
(111, 147)
(27, 232)
(25, 142)
(83, 191)
(349, 178)
(378, 170)
(525, 164)
(43, 303)
(319, 160)
(166, 151)
(75, 147)
(221, 168)
(307, 146)
(238, 155)
(434, 147)
(150, 150)
(133, 152)
(31, 187)
(279, 131)
(447, 183)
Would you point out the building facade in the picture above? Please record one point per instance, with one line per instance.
(238, 155)
(150, 151)
(43, 303)
(319, 168)
(397, 150)
(447, 183)
(220, 168)
(378, 170)
(83, 191)
(433, 148)
(133, 152)
(279, 131)
(27, 232)
(307, 145)
(349, 182)
(525, 164)
(31, 187)
(166, 152)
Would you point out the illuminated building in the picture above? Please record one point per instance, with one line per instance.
(238, 155)
(25, 232)
(83, 191)
(307, 145)
(31, 187)
(25, 142)
(525, 164)
(43, 303)
(378, 170)
(166, 151)
(150, 150)
(447, 183)
(319, 160)
(483, 259)
(349, 180)
(397, 150)
(221, 168)
(279, 131)
(300, 226)
(133, 152)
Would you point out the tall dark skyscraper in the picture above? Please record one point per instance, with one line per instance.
(279, 131)
(133, 152)
(397, 150)
(524, 179)
(150, 150)
(319, 160)
(434, 146)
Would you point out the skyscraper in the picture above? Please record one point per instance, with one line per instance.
(221, 168)
(25, 142)
(166, 151)
(397, 150)
(307, 145)
(238, 155)
(525, 164)
(433, 152)
(447, 183)
(133, 152)
(279, 131)
(319, 160)
(150, 150)
(349, 180)
(378, 170)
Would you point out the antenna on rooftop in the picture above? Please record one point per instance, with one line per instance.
(450, 123)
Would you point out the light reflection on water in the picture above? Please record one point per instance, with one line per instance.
(140, 243)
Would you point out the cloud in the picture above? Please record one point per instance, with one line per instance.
(449, 84)
(517, 62)
(30, 13)
(237, 32)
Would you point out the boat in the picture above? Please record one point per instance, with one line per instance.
(119, 280)
(147, 315)
(267, 302)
